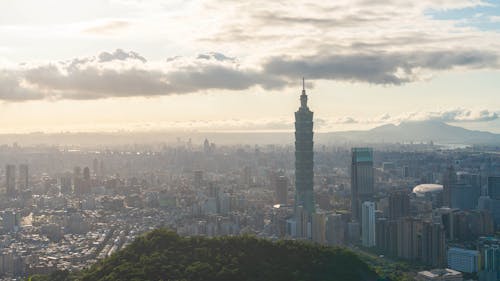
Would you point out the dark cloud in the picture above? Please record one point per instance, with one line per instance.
(221, 77)
(377, 68)
(119, 54)
(329, 21)
(94, 83)
(101, 77)
(91, 79)
(215, 56)
(11, 89)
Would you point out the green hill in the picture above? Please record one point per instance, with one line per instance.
(163, 255)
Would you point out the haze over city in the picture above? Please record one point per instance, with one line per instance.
(237, 65)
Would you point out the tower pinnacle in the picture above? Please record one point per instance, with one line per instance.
(303, 97)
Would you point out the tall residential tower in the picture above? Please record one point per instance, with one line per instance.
(304, 162)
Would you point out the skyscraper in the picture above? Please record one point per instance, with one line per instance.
(10, 180)
(304, 155)
(399, 204)
(494, 187)
(368, 224)
(281, 185)
(23, 177)
(449, 179)
(361, 179)
(433, 244)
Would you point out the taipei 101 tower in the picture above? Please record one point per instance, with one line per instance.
(304, 162)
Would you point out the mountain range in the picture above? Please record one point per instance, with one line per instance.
(416, 131)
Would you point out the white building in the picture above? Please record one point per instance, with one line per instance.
(463, 260)
(368, 224)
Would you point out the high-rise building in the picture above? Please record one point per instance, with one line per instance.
(494, 187)
(304, 161)
(281, 190)
(318, 228)
(368, 224)
(489, 259)
(362, 181)
(86, 174)
(198, 179)
(409, 230)
(386, 236)
(399, 204)
(335, 230)
(10, 180)
(449, 179)
(95, 167)
(23, 181)
(433, 251)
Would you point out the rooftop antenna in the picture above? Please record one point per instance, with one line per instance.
(303, 84)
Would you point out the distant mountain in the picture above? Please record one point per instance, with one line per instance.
(163, 255)
(426, 131)
(416, 131)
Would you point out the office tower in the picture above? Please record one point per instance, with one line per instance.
(198, 178)
(281, 190)
(206, 147)
(23, 181)
(361, 179)
(318, 228)
(433, 251)
(304, 162)
(399, 204)
(86, 174)
(494, 187)
(78, 181)
(368, 224)
(335, 230)
(449, 179)
(10, 180)
(463, 196)
(95, 167)
(66, 184)
(464, 190)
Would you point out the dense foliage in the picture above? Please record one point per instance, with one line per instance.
(163, 255)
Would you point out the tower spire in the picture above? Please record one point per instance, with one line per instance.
(303, 97)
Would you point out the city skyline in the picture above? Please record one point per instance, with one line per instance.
(190, 65)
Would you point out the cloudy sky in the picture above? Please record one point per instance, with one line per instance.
(107, 65)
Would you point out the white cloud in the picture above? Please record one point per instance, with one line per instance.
(495, 19)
